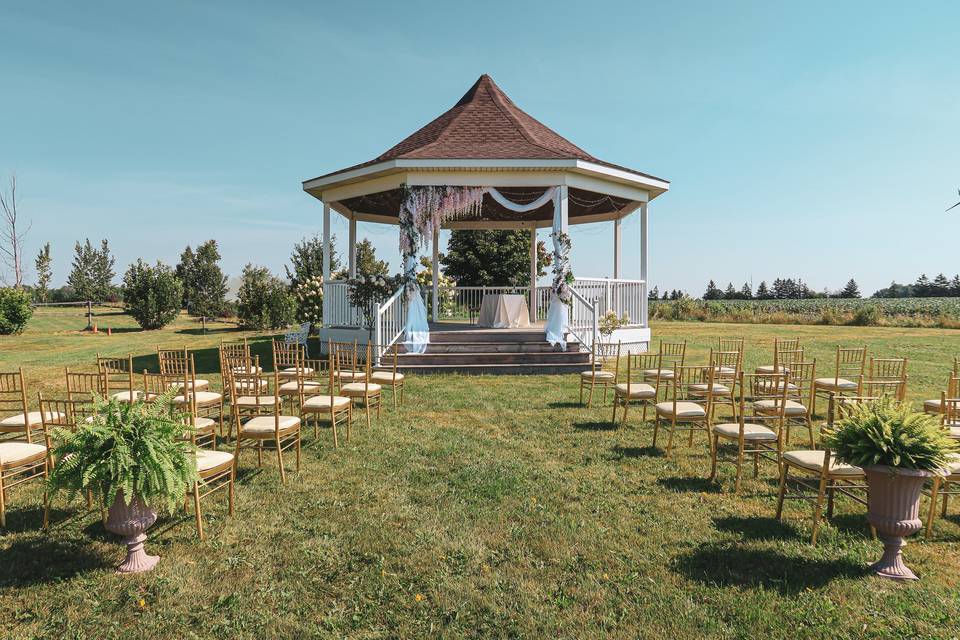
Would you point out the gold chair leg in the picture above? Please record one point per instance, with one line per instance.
(196, 509)
(818, 509)
(233, 477)
(283, 474)
(784, 469)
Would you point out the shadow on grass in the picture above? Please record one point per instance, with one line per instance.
(207, 360)
(756, 528)
(567, 405)
(733, 565)
(596, 425)
(698, 485)
(636, 452)
(42, 560)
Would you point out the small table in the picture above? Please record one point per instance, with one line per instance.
(504, 311)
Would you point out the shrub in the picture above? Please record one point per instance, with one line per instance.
(889, 433)
(15, 310)
(152, 295)
(867, 316)
(309, 295)
(366, 291)
(264, 301)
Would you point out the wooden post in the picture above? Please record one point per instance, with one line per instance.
(89, 315)
(616, 248)
(326, 259)
(533, 275)
(643, 263)
(352, 269)
(435, 297)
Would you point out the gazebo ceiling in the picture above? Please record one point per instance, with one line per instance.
(486, 140)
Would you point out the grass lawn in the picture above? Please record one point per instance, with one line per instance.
(487, 507)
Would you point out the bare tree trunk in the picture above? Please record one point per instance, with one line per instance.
(12, 238)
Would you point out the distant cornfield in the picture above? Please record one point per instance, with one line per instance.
(899, 312)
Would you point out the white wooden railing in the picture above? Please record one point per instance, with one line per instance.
(337, 310)
(584, 320)
(391, 316)
(622, 296)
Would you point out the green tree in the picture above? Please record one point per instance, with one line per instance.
(488, 258)
(44, 274)
(207, 282)
(745, 292)
(730, 293)
(763, 293)
(152, 295)
(653, 294)
(713, 292)
(367, 263)
(81, 273)
(103, 273)
(850, 290)
(15, 310)
(183, 271)
(307, 260)
(264, 302)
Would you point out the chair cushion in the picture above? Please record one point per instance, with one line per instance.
(248, 370)
(322, 403)
(724, 371)
(291, 372)
(124, 396)
(718, 389)
(359, 388)
(931, 406)
(636, 390)
(201, 384)
(386, 377)
(813, 461)
(204, 398)
(769, 368)
(953, 466)
(840, 384)
(750, 431)
(684, 410)
(246, 386)
(653, 373)
(349, 375)
(267, 424)
(251, 401)
(597, 375)
(309, 386)
(793, 408)
(33, 418)
(207, 459)
(204, 424)
(13, 453)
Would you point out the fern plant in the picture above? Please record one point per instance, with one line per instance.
(136, 449)
(889, 433)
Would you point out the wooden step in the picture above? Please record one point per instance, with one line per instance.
(454, 359)
(493, 347)
(497, 369)
(487, 335)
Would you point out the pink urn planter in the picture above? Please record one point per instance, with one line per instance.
(894, 510)
(131, 521)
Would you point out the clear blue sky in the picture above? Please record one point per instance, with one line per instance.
(816, 140)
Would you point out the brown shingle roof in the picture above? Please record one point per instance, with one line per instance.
(486, 124)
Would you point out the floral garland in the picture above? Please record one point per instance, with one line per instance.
(425, 208)
(562, 275)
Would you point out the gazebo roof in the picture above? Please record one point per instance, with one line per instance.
(483, 138)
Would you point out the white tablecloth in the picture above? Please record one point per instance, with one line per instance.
(504, 311)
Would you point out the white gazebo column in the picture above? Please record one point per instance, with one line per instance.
(435, 278)
(616, 248)
(326, 260)
(533, 275)
(352, 263)
(643, 261)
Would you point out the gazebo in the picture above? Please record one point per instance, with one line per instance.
(486, 164)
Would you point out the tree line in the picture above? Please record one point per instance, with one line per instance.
(781, 289)
(923, 287)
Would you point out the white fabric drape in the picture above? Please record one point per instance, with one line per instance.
(416, 330)
(521, 208)
(557, 314)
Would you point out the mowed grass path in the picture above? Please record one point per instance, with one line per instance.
(487, 507)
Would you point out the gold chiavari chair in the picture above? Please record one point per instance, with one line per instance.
(66, 414)
(251, 388)
(174, 363)
(893, 370)
(215, 472)
(798, 410)
(680, 412)
(25, 460)
(941, 486)
(154, 385)
(346, 356)
(387, 376)
(850, 366)
(870, 391)
(119, 376)
(726, 375)
(672, 355)
(757, 434)
(731, 344)
(780, 345)
(604, 367)
(304, 382)
(262, 422)
(370, 393)
(199, 407)
(15, 414)
(934, 406)
(326, 404)
(815, 475)
(84, 385)
(636, 388)
(288, 359)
